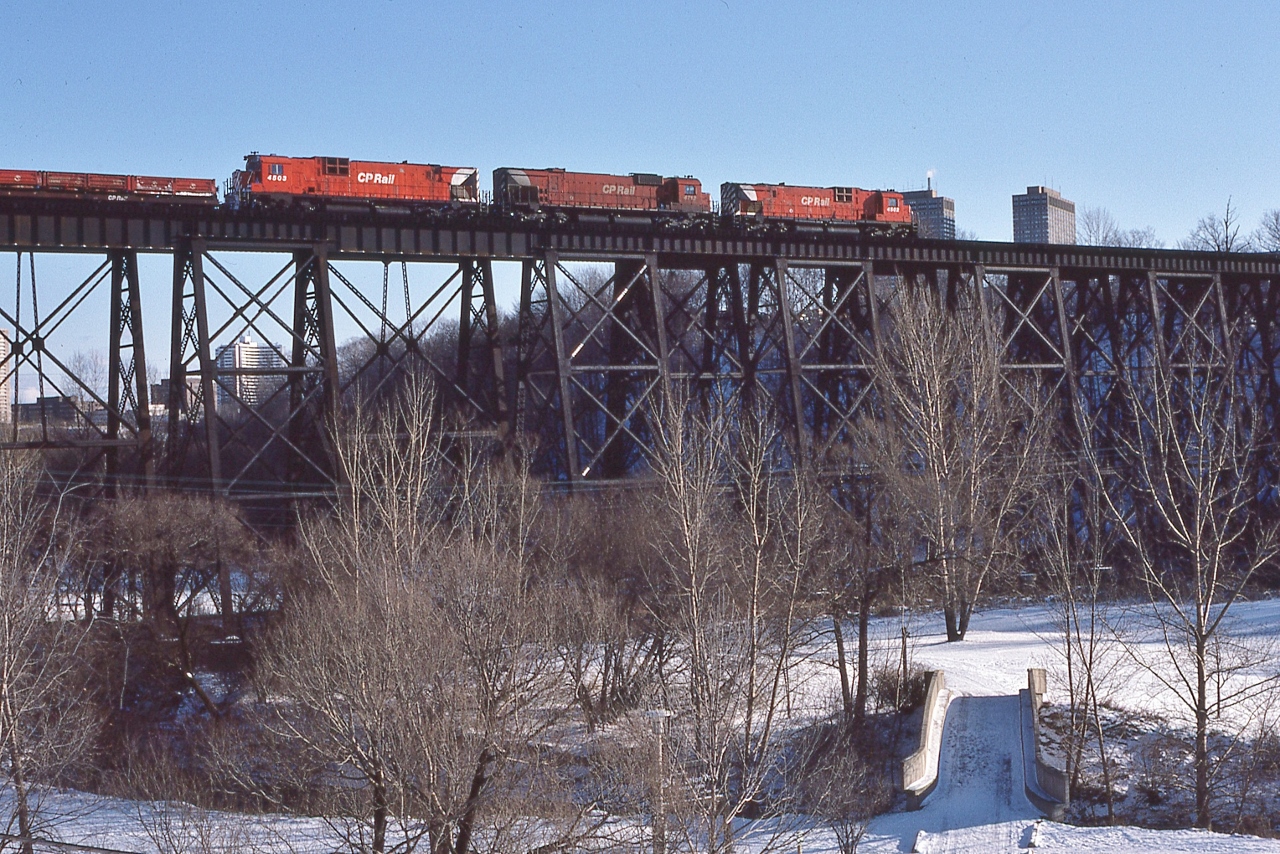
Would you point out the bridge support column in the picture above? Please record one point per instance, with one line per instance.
(127, 390)
(480, 371)
(638, 370)
(189, 342)
(314, 388)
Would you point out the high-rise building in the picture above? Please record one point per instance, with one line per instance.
(241, 369)
(934, 215)
(1041, 215)
(6, 371)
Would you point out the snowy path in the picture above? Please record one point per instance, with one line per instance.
(979, 804)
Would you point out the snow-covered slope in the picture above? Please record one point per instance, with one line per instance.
(978, 806)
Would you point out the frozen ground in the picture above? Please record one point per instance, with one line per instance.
(978, 806)
(1002, 643)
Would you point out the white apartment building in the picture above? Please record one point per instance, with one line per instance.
(244, 371)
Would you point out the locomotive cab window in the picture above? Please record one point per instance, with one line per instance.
(893, 204)
(689, 191)
(275, 168)
(337, 166)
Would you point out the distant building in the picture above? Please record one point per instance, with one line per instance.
(1041, 215)
(160, 393)
(934, 215)
(6, 371)
(56, 409)
(244, 370)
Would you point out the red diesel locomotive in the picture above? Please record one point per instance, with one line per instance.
(826, 204)
(557, 188)
(271, 179)
(63, 185)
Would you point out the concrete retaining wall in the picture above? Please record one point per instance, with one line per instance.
(1050, 778)
(920, 769)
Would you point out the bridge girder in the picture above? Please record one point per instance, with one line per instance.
(789, 321)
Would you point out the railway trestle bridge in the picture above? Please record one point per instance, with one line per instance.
(611, 317)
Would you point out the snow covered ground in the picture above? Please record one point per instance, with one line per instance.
(978, 806)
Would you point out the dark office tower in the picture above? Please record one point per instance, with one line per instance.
(1041, 215)
(934, 215)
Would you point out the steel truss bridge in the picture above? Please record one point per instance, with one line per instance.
(785, 317)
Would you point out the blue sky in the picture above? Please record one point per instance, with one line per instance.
(1158, 111)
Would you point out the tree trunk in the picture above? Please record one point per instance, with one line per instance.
(966, 611)
(159, 595)
(864, 622)
(846, 693)
(379, 817)
(226, 601)
(1106, 763)
(17, 772)
(953, 623)
(1203, 819)
(110, 579)
(467, 822)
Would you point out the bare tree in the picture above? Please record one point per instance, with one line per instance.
(1267, 237)
(416, 672)
(1077, 544)
(870, 550)
(170, 549)
(45, 725)
(958, 443)
(1095, 226)
(90, 368)
(611, 643)
(168, 801)
(846, 790)
(1218, 233)
(1188, 508)
(737, 543)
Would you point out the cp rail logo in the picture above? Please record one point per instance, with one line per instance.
(374, 178)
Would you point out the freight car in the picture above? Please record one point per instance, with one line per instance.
(272, 180)
(558, 189)
(68, 185)
(882, 210)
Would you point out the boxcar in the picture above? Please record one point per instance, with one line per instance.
(26, 182)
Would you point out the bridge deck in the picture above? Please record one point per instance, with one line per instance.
(96, 226)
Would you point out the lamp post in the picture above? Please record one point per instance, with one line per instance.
(658, 720)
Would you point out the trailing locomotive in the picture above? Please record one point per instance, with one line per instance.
(90, 185)
(533, 189)
(882, 208)
(274, 180)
